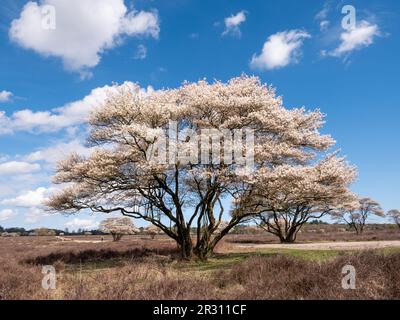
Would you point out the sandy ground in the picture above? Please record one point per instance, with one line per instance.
(348, 245)
(361, 245)
(80, 241)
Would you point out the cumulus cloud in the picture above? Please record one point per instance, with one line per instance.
(5, 96)
(141, 52)
(6, 214)
(280, 50)
(70, 115)
(361, 36)
(86, 224)
(18, 167)
(33, 198)
(83, 29)
(59, 151)
(233, 23)
(35, 215)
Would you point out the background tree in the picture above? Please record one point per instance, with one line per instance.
(152, 231)
(118, 227)
(357, 214)
(120, 176)
(286, 197)
(44, 232)
(395, 216)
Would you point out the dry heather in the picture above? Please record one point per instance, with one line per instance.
(325, 232)
(147, 269)
(283, 277)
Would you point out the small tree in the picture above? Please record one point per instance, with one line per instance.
(286, 197)
(357, 214)
(395, 216)
(118, 227)
(44, 232)
(152, 231)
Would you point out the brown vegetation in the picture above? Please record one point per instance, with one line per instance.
(142, 268)
(324, 232)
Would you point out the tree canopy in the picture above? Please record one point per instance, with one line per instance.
(356, 215)
(118, 227)
(172, 156)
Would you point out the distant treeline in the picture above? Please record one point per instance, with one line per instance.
(48, 232)
(239, 229)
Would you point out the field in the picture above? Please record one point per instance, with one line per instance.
(243, 267)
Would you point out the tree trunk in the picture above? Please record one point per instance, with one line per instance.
(202, 248)
(186, 246)
(203, 251)
(287, 239)
(359, 229)
(290, 236)
(116, 236)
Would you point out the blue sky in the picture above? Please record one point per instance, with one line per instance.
(300, 47)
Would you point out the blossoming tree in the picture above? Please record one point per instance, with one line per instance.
(118, 227)
(284, 197)
(356, 215)
(395, 216)
(152, 231)
(180, 186)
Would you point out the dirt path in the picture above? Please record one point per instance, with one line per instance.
(361, 245)
(80, 241)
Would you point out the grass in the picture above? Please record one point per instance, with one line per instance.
(224, 261)
(220, 261)
(92, 266)
(310, 255)
(228, 260)
(144, 269)
(388, 251)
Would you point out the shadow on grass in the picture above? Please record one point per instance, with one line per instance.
(108, 258)
(98, 256)
(228, 260)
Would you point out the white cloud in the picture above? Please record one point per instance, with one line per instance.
(70, 115)
(33, 198)
(35, 215)
(356, 38)
(86, 224)
(141, 52)
(59, 152)
(83, 29)
(141, 23)
(323, 14)
(4, 158)
(6, 214)
(280, 50)
(233, 23)
(18, 167)
(5, 96)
